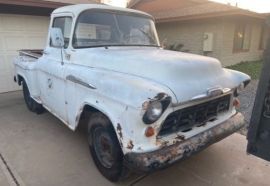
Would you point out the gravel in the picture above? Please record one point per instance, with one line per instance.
(247, 99)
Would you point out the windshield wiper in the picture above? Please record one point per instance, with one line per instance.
(147, 35)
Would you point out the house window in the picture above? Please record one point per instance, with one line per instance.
(263, 38)
(242, 38)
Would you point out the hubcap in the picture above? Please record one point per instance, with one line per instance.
(103, 147)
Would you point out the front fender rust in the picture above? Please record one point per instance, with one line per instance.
(119, 131)
(158, 97)
(130, 145)
(120, 134)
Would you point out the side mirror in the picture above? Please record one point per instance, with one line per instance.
(57, 38)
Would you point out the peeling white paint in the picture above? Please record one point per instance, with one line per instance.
(118, 80)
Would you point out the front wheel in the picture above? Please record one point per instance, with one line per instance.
(105, 149)
(31, 104)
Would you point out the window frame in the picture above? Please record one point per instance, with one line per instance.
(262, 45)
(245, 26)
(70, 35)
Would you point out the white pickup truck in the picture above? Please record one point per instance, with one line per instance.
(146, 107)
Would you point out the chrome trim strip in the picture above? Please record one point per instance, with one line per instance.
(79, 81)
(212, 93)
(193, 102)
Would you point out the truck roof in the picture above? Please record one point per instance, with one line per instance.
(77, 9)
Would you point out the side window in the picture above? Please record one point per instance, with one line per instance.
(64, 23)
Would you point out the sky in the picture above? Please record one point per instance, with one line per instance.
(261, 6)
(120, 3)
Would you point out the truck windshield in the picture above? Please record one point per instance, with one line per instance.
(97, 29)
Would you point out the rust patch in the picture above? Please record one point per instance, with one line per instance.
(165, 143)
(180, 137)
(160, 96)
(119, 130)
(183, 149)
(145, 105)
(130, 145)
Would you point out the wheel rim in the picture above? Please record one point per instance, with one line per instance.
(103, 146)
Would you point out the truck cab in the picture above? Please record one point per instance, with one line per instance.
(146, 107)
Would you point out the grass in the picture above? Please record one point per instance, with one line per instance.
(252, 68)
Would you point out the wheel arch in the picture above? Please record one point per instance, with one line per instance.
(84, 115)
(21, 78)
(86, 110)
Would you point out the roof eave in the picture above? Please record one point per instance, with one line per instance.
(205, 16)
(33, 3)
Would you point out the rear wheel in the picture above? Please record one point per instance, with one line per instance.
(31, 104)
(105, 149)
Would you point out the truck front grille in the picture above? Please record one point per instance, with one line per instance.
(186, 119)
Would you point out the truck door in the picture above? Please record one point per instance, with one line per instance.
(52, 75)
(259, 131)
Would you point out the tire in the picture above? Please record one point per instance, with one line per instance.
(31, 104)
(105, 148)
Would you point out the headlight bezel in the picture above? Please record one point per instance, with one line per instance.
(164, 103)
(238, 90)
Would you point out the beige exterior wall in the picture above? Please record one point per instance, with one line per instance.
(227, 54)
(191, 33)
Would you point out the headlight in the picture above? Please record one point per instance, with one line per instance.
(155, 108)
(153, 112)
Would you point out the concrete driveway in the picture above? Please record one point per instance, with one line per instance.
(38, 150)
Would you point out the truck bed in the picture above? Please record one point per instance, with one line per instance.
(37, 53)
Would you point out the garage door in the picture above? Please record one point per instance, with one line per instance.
(18, 32)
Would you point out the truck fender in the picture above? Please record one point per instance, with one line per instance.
(100, 109)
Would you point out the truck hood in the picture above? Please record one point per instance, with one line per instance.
(187, 75)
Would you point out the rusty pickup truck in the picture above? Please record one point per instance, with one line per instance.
(146, 107)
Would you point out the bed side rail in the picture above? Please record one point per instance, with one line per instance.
(31, 53)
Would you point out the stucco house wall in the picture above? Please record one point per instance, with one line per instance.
(228, 56)
(191, 35)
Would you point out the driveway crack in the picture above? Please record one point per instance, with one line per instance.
(8, 169)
